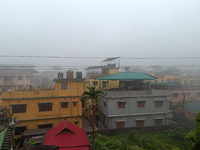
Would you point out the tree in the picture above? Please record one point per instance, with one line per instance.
(193, 138)
(93, 95)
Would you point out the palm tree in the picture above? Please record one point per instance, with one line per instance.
(93, 95)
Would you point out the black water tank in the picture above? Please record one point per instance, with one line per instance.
(60, 75)
(79, 75)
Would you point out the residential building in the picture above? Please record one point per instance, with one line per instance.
(17, 76)
(188, 110)
(42, 108)
(165, 74)
(191, 93)
(109, 66)
(134, 103)
(190, 80)
(67, 136)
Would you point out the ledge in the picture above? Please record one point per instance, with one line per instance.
(51, 118)
(37, 97)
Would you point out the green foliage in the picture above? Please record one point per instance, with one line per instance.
(31, 143)
(193, 138)
(167, 140)
(92, 94)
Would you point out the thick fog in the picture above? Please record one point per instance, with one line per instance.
(99, 28)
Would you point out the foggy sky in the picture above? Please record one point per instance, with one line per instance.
(130, 28)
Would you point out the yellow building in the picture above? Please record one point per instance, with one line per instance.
(190, 80)
(41, 109)
(166, 74)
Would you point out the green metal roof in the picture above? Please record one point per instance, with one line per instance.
(128, 76)
(193, 108)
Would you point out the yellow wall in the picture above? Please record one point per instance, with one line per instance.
(188, 81)
(33, 117)
(167, 78)
(113, 70)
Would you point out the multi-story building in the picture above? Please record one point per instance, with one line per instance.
(191, 93)
(109, 66)
(17, 76)
(166, 74)
(134, 103)
(38, 109)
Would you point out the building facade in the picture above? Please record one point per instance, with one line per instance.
(38, 109)
(17, 77)
(123, 109)
(135, 104)
(191, 93)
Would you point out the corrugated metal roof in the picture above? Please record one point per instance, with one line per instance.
(128, 76)
(110, 59)
(66, 135)
(193, 108)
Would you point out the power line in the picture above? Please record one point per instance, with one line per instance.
(65, 57)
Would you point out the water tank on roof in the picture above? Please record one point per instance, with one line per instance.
(79, 75)
(60, 75)
(70, 74)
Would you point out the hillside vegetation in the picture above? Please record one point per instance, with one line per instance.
(166, 140)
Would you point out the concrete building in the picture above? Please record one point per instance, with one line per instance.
(17, 76)
(165, 74)
(43, 108)
(188, 110)
(134, 103)
(191, 92)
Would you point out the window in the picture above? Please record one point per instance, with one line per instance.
(64, 86)
(139, 123)
(19, 130)
(159, 103)
(20, 77)
(104, 84)
(74, 104)
(120, 124)
(76, 122)
(19, 108)
(7, 78)
(95, 83)
(47, 125)
(141, 104)
(45, 107)
(198, 94)
(158, 122)
(121, 105)
(169, 80)
(104, 103)
(176, 79)
(64, 104)
(175, 95)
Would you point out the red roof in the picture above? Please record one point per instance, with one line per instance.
(67, 135)
(76, 148)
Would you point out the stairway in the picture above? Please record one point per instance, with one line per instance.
(7, 139)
